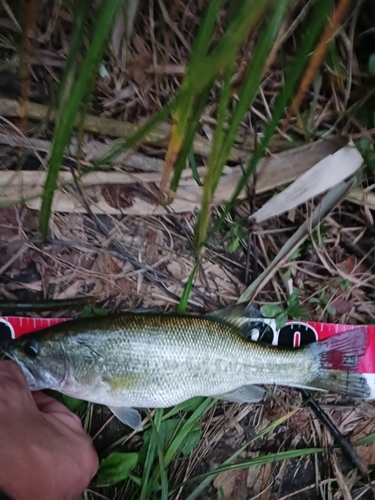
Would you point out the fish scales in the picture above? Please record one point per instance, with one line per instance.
(160, 360)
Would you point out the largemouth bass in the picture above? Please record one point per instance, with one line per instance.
(139, 360)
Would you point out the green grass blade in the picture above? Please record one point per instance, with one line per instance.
(143, 131)
(202, 40)
(215, 163)
(154, 445)
(198, 52)
(206, 479)
(253, 462)
(189, 91)
(185, 406)
(187, 289)
(247, 16)
(187, 96)
(193, 166)
(221, 494)
(199, 79)
(75, 45)
(186, 428)
(254, 72)
(180, 437)
(318, 19)
(191, 130)
(267, 459)
(155, 424)
(149, 461)
(224, 139)
(68, 113)
(163, 469)
(136, 480)
(220, 131)
(203, 68)
(365, 440)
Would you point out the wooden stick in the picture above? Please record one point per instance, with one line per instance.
(113, 128)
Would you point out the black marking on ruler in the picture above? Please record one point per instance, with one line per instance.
(347, 382)
(6, 331)
(349, 360)
(307, 333)
(266, 332)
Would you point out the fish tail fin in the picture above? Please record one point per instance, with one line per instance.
(339, 358)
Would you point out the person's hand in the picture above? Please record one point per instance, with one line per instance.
(44, 452)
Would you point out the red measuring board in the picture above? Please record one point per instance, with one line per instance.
(12, 327)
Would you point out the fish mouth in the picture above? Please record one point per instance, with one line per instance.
(5, 348)
(30, 377)
(31, 381)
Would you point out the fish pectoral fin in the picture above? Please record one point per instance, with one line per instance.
(244, 394)
(128, 416)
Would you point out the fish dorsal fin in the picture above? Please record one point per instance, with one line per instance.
(248, 319)
(244, 394)
(237, 312)
(128, 416)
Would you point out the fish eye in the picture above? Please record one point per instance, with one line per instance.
(31, 348)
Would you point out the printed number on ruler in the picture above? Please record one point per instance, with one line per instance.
(293, 334)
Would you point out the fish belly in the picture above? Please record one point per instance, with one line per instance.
(173, 384)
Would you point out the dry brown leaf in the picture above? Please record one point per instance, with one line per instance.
(316, 180)
(341, 480)
(118, 35)
(152, 244)
(8, 222)
(176, 269)
(127, 286)
(364, 198)
(266, 481)
(351, 265)
(106, 265)
(233, 484)
(140, 62)
(367, 452)
(118, 196)
(342, 306)
(276, 170)
(36, 286)
(71, 291)
(11, 219)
